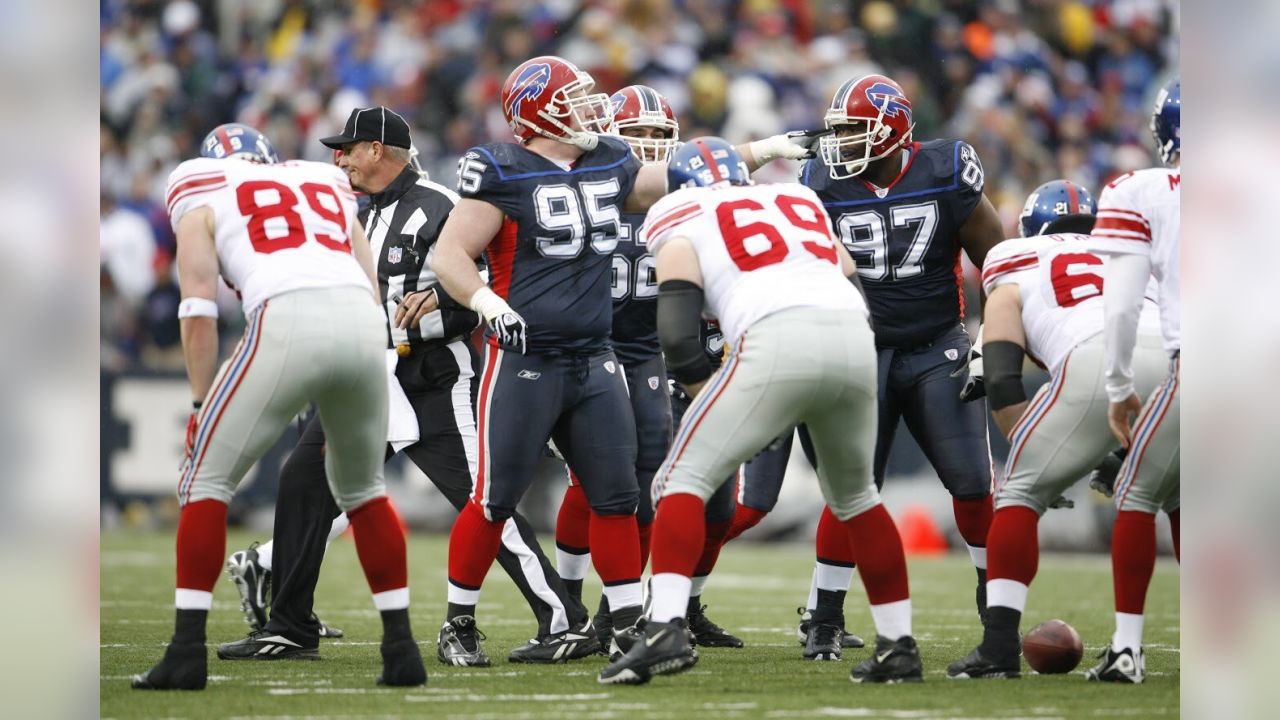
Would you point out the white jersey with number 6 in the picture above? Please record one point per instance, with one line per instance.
(278, 228)
(1139, 213)
(1060, 279)
(761, 249)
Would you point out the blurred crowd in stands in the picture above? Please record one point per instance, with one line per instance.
(1042, 88)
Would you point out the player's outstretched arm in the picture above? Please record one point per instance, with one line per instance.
(981, 232)
(1126, 280)
(197, 258)
(1004, 348)
(471, 226)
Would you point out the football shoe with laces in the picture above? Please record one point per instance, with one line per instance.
(847, 639)
(705, 632)
(183, 667)
(459, 643)
(660, 649)
(254, 584)
(263, 645)
(893, 661)
(977, 666)
(402, 663)
(1118, 667)
(558, 647)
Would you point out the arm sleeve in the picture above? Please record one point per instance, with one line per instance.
(1122, 294)
(680, 331)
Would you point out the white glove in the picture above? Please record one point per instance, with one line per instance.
(796, 145)
(974, 387)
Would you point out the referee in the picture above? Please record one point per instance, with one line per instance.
(436, 363)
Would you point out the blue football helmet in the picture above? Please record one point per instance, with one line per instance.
(1051, 201)
(704, 162)
(1166, 121)
(236, 140)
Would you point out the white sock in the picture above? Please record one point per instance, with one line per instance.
(570, 566)
(627, 595)
(1007, 593)
(670, 596)
(813, 591)
(184, 599)
(397, 599)
(264, 554)
(893, 620)
(978, 555)
(462, 596)
(1128, 633)
(831, 577)
(339, 526)
(699, 583)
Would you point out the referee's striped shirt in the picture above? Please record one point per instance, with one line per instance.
(403, 222)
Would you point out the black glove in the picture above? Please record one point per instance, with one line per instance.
(808, 139)
(1103, 477)
(511, 332)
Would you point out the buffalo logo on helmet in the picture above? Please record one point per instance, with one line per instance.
(528, 86)
(616, 102)
(889, 100)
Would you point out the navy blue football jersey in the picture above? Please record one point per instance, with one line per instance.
(906, 243)
(552, 259)
(635, 296)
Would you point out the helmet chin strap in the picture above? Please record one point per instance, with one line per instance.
(585, 140)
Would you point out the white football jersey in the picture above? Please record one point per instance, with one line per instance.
(1139, 213)
(278, 227)
(1059, 278)
(761, 249)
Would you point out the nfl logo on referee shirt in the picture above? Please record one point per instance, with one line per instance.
(653, 383)
(395, 254)
(952, 353)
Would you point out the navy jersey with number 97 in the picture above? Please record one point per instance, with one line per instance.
(906, 241)
(552, 259)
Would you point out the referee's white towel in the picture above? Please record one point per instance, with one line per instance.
(402, 422)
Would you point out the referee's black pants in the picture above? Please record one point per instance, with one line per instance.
(441, 385)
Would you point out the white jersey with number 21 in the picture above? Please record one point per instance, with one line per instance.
(761, 249)
(279, 227)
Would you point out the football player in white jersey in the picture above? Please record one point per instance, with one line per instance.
(1138, 223)
(764, 262)
(1044, 299)
(284, 236)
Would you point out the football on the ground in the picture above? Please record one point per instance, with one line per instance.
(1052, 647)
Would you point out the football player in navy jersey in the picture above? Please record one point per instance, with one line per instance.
(643, 118)
(905, 210)
(547, 210)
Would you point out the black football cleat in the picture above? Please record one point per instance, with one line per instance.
(326, 630)
(977, 666)
(1103, 477)
(1118, 667)
(847, 639)
(705, 632)
(603, 625)
(558, 647)
(263, 645)
(661, 649)
(402, 664)
(254, 584)
(459, 643)
(622, 640)
(183, 667)
(822, 641)
(894, 661)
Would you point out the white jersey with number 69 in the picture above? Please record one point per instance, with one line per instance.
(761, 249)
(278, 228)
(1059, 279)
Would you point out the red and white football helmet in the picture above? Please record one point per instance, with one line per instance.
(880, 113)
(640, 106)
(551, 97)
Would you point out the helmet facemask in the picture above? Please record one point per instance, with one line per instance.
(650, 149)
(848, 155)
(577, 112)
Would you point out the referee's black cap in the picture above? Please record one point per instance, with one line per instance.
(369, 124)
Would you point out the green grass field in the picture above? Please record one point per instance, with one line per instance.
(754, 592)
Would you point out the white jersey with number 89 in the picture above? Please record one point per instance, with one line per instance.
(761, 249)
(1059, 279)
(278, 228)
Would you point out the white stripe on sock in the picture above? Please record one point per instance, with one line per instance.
(1128, 632)
(979, 556)
(699, 584)
(893, 619)
(629, 595)
(460, 596)
(1007, 593)
(397, 599)
(831, 577)
(184, 599)
(670, 596)
(571, 566)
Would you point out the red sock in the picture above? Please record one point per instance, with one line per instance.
(201, 546)
(878, 554)
(1173, 525)
(744, 518)
(832, 541)
(646, 531)
(714, 540)
(573, 524)
(615, 540)
(1013, 545)
(679, 532)
(1133, 559)
(973, 519)
(380, 545)
(473, 546)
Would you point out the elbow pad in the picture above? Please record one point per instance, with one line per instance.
(679, 331)
(1003, 361)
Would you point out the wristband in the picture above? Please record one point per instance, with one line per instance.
(769, 149)
(1004, 374)
(197, 307)
(486, 302)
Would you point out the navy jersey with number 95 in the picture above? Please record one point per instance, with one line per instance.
(906, 241)
(552, 259)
